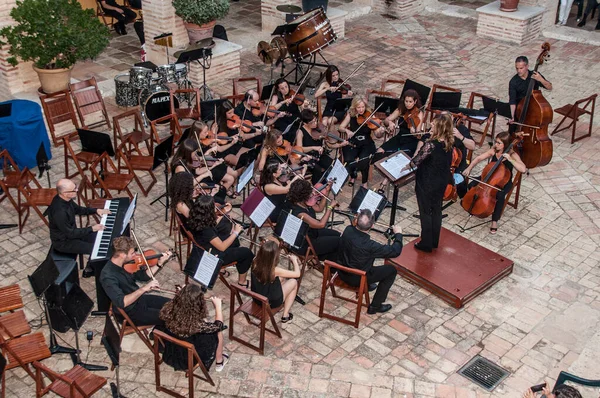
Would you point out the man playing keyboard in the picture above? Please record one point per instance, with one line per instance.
(64, 234)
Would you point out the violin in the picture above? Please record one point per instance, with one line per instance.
(220, 138)
(450, 192)
(319, 191)
(412, 119)
(258, 110)
(235, 122)
(481, 199)
(272, 111)
(373, 123)
(294, 152)
(297, 98)
(222, 209)
(137, 263)
(344, 88)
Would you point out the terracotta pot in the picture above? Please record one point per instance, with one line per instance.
(199, 32)
(53, 80)
(509, 5)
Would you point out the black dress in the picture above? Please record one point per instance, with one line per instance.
(245, 114)
(330, 105)
(278, 201)
(433, 171)
(362, 149)
(272, 291)
(324, 161)
(205, 341)
(404, 140)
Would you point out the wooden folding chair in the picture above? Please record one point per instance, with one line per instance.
(10, 177)
(32, 197)
(125, 326)
(88, 100)
(516, 186)
(13, 325)
(10, 298)
(332, 281)
(87, 158)
(262, 311)
(75, 383)
(131, 162)
(485, 131)
(174, 125)
(191, 112)
(24, 350)
(574, 112)
(437, 87)
(58, 108)
(241, 86)
(107, 20)
(387, 83)
(193, 359)
(106, 176)
(137, 134)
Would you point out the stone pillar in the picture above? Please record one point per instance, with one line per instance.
(550, 9)
(518, 27)
(398, 8)
(13, 79)
(159, 17)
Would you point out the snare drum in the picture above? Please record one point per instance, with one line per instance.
(156, 102)
(166, 73)
(313, 33)
(181, 72)
(140, 78)
(126, 94)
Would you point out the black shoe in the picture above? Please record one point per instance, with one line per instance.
(583, 21)
(382, 308)
(372, 286)
(88, 272)
(418, 246)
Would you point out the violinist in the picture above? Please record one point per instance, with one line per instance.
(225, 114)
(329, 88)
(285, 102)
(244, 111)
(519, 84)
(121, 287)
(511, 160)
(407, 119)
(433, 171)
(203, 225)
(357, 157)
(274, 189)
(324, 240)
(268, 152)
(312, 141)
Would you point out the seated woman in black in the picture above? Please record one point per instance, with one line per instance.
(233, 153)
(203, 225)
(325, 241)
(266, 278)
(185, 319)
(275, 190)
(289, 112)
(329, 88)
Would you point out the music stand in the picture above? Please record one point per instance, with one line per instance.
(95, 142)
(445, 100)
(207, 108)
(112, 344)
(496, 107)
(358, 199)
(388, 105)
(41, 279)
(421, 89)
(41, 159)
(342, 104)
(266, 92)
(204, 57)
(192, 264)
(302, 230)
(162, 153)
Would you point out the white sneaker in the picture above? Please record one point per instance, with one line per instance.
(220, 366)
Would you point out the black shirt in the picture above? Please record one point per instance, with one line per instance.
(517, 88)
(246, 114)
(464, 130)
(433, 168)
(118, 283)
(362, 136)
(61, 216)
(358, 251)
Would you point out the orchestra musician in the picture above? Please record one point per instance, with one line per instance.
(223, 123)
(511, 160)
(359, 251)
(203, 224)
(329, 88)
(273, 140)
(324, 240)
(433, 172)
(289, 112)
(274, 189)
(357, 157)
(64, 234)
(278, 285)
(519, 84)
(184, 318)
(122, 289)
(244, 111)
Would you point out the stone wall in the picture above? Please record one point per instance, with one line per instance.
(521, 26)
(398, 8)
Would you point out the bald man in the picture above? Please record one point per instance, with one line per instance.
(64, 234)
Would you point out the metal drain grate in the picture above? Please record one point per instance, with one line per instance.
(483, 372)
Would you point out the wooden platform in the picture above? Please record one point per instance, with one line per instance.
(458, 271)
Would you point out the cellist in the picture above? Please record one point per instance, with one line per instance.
(518, 85)
(511, 160)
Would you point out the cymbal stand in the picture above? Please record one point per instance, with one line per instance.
(205, 62)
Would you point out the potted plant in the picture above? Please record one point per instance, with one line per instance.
(54, 35)
(200, 16)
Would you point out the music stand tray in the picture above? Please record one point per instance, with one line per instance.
(162, 152)
(95, 142)
(445, 100)
(493, 106)
(194, 55)
(388, 104)
(207, 108)
(266, 92)
(358, 198)
(421, 89)
(342, 104)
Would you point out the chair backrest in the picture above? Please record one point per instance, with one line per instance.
(564, 377)
(240, 85)
(25, 180)
(194, 110)
(8, 163)
(75, 384)
(386, 83)
(173, 124)
(88, 99)
(58, 108)
(10, 298)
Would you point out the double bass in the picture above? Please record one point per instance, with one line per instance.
(534, 114)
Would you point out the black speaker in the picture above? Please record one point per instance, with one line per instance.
(70, 311)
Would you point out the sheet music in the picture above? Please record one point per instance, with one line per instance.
(262, 212)
(370, 201)
(339, 172)
(206, 268)
(129, 213)
(290, 229)
(394, 164)
(245, 177)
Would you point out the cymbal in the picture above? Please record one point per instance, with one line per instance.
(279, 43)
(289, 9)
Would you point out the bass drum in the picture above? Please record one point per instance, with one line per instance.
(125, 94)
(313, 33)
(156, 102)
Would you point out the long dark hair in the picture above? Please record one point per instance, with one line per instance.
(268, 174)
(222, 114)
(329, 72)
(181, 189)
(185, 314)
(299, 192)
(202, 213)
(267, 258)
(184, 152)
(505, 138)
(277, 83)
(412, 94)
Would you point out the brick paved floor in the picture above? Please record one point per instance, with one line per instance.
(540, 320)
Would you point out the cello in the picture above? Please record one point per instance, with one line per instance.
(534, 114)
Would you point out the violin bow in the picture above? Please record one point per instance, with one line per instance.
(152, 275)
(367, 119)
(302, 82)
(349, 76)
(270, 97)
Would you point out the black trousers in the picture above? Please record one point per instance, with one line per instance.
(242, 255)
(326, 244)
(500, 198)
(319, 169)
(384, 274)
(128, 16)
(76, 246)
(147, 309)
(351, 154)
(430, 214)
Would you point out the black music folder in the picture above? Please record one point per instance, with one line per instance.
(492, 105)
(368, 199)
(421, 89)
(445, 100)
